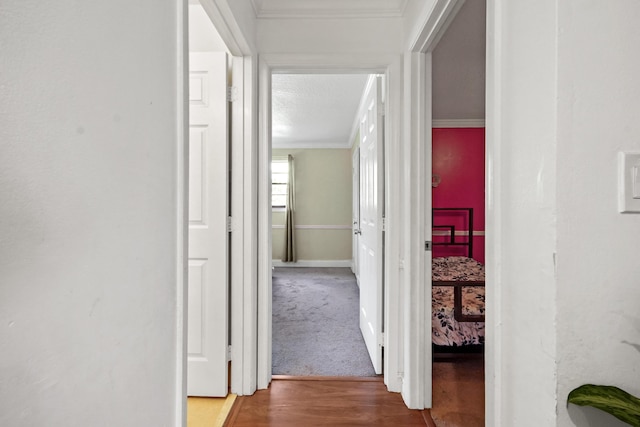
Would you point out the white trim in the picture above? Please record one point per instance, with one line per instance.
(264, 296)
(315, 227)
(494, 375)
(226, 25)
(182, 207)
(416, 307)
(314, 263)
(433, 24)
(336, 63)
(459, 123)
(243, 236)
(395, 204)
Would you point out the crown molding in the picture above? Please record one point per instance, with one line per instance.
(458, 123)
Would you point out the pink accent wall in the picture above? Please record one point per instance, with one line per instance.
(458, 158)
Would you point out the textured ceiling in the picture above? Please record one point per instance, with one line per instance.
(315, 110)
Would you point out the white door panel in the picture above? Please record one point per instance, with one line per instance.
(370, 240)
(207, 371)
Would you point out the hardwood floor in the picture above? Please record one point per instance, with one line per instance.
(324, 401)
(458, 392)
(458, 401)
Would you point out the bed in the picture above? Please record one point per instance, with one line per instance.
(458, 285)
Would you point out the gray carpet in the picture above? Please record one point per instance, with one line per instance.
(315, 323)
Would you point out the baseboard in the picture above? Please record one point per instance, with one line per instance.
(313, 263)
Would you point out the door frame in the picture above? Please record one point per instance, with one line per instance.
(391, 66)
(417, 217)
(355, 203)
(243, 224)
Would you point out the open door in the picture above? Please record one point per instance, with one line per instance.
(371, 222)
(207, 367)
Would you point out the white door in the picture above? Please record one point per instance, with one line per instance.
(355, 213)
(207, 370)
(371, 225)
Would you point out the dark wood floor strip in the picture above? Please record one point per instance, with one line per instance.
(323, 402)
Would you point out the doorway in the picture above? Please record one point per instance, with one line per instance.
(458, 214)
(316, 128)
(325, 64)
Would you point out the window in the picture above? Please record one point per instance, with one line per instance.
(279, 181)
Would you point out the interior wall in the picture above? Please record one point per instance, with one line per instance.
(459, 63)
(598, 322)
(203, 36)
(88, 265)
(458, 159)
(335, 36)
(323, 205)
(521, 214)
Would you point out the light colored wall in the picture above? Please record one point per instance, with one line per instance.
(323, 198)
(359, 36)
(521, 143)
(598, 322)
(459, 65)
(203, 36)
(88, 124)
(562, 103)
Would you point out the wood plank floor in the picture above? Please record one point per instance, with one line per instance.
(324, 401)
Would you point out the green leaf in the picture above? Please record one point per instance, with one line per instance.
(612, 400)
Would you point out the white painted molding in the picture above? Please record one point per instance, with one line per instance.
(391, 64)
(182, 212)
(433, 24)
(226, 25)
(458, 123)
(316, 227)
(314, 263)
(264, 294)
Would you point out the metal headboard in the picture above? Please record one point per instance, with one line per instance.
(452, 229)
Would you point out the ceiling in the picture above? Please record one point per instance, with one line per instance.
(315, 110)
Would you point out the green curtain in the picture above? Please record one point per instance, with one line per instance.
(289, 224)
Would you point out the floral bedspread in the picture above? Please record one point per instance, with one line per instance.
(446, 331)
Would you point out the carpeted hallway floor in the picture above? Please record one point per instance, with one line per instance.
(316, 324)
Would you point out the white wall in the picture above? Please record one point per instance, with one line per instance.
(203, 36)
(521, 138)
(598, 258)
(88, 130)
(562, 101)
(353, 36)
